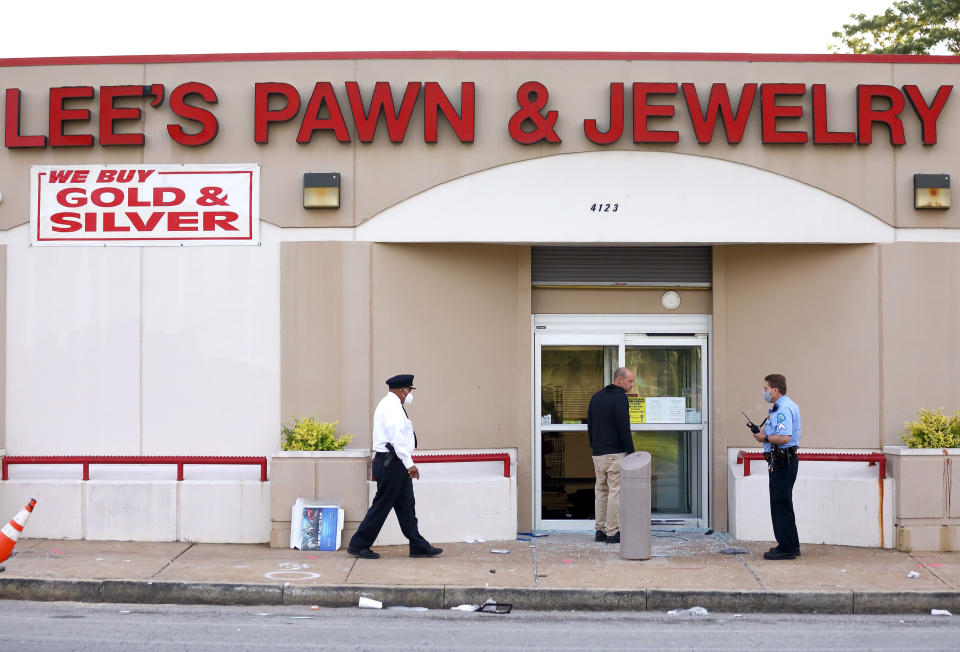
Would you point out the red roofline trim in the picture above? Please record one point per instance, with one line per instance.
(479, 56)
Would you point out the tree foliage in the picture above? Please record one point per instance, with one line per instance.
(908, 27)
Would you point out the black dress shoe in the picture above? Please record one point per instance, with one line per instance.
(613, 538)
(363, 553)
(600, 536)
(778, 554)
(779, 550)
(429, 552)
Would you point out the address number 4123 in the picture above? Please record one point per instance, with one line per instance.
(604, 208)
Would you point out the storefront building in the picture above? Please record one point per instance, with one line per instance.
(509, 228)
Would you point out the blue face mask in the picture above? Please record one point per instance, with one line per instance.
(767, 396)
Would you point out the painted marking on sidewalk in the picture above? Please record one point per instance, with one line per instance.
(291, 572)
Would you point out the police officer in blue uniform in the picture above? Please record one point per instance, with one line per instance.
(781, 439)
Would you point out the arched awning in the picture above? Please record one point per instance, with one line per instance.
(642, 197)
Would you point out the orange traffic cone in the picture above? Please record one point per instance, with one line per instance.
(11, 531)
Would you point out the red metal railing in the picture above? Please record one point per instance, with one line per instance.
(87, 460)
(467, 457)
(744, 457)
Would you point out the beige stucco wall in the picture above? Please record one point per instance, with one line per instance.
(456, 316)
(617, 301)
(380, 174)
(811, 313)
(325, 334)
(921, 332)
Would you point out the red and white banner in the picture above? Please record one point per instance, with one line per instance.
(145, 204)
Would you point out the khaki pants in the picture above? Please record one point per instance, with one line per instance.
(607, 492)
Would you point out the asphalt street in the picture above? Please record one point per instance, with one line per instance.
(52, 627)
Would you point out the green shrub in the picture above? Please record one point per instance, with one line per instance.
(307, 434)
(932, 430)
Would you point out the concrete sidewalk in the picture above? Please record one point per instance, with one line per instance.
(560, 571)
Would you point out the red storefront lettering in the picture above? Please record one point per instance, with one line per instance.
(435, 102)
(209, 126)
(59, 115)
(110, 114)
(323, 95)
(613, 133)
(867, 115)
(642, 111)
(770, 111)
(264, 116)
(928, 114)
(382, 102)
(719, 102)
(11, 130)
(821, 133)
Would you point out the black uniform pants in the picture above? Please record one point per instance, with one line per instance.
(782, 479)
(394, 491)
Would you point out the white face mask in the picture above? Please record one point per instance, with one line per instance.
(408, 399)
(767, 396)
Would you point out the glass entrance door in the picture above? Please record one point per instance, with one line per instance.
(571, 370)
(667, 407)
(667, 420)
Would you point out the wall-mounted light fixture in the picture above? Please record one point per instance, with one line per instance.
(670, 300)
(931, 191)
(321, 190)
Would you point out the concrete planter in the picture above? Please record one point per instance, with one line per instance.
(340, 475)
(926, 497)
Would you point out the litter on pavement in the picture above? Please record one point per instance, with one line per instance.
(465, 607)
(940, 612)
(367, 603)
(692, 611)
(734, 551)
(488, 607)
(913, 575)
(498, 551)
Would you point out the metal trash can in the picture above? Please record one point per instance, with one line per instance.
(635, 506)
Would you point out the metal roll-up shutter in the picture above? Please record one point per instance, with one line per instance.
(622, 266)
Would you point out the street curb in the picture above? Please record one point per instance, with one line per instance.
(877, 602)
(763, 601)
(42, 590)
(549, 599)
(447, 597)
(341, 595)
(191, 593)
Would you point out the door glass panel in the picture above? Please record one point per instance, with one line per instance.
(674, 473)
(668, 372)
(567, 476)
(569, 377)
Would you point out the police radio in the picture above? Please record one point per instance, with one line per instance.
(754, 428)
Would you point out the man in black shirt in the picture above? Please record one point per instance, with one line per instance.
(608, 428)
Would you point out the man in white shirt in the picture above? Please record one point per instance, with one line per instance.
(393, 442)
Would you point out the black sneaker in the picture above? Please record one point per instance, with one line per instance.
(613, 538)
(363, 553)
(429, 552)
(600, 536)
(775, 554)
